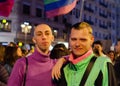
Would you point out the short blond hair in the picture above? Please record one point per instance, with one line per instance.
(82, 25)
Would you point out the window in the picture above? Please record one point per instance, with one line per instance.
(64, 20)
(70, 12)
(99, 35)
(96, 34)
(103, 35)
(89, 5)
(73, 11)
(77, 13)
(96, 20)
(38, 12)
(26, 9)
(85, 17)
(90, 18)
(56, 18)
(95, 8)
(5, 25)
(99, 22)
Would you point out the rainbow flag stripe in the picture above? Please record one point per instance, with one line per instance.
(58, 7)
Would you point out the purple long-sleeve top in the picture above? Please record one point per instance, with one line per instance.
(38, 73)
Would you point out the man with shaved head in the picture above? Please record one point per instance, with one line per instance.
(39, 63)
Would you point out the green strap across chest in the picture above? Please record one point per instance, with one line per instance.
(88, 69)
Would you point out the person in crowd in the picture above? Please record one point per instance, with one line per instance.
(39, 63)
(84, 68)
(30, 51)
(11, 55)
(111, 55)
(3, 76)
(117, 61)
(3, 72)
(24, 52)
(98, 48)
(2, 52)
(12, 44)
(58, 51)
(19, 52)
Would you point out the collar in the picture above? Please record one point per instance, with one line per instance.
(40, 57)
(75, 61)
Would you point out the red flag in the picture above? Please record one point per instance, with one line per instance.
(6, 7)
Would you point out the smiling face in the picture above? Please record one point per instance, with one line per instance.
(43, 38)
(80, 41)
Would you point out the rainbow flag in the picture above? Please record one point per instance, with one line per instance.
(58, 7)
(6, 7)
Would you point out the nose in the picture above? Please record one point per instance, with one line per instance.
(77, 43)
(43, 36)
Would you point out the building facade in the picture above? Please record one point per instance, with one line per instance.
(101, 14)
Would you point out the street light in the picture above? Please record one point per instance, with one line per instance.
(26, 28)
(55, 32)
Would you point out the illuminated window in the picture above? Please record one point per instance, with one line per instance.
(5, 25)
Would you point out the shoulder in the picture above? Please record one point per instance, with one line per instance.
(104, 64)
(19, 66)
(104, 59)
(20, 62)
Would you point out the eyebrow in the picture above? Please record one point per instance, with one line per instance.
(47, 31)
(41, 31)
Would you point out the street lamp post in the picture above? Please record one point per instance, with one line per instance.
(26, 28)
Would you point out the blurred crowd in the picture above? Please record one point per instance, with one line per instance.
(8, 56)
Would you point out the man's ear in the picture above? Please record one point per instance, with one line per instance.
(34, 41)
(92, 40)
(53, 39)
